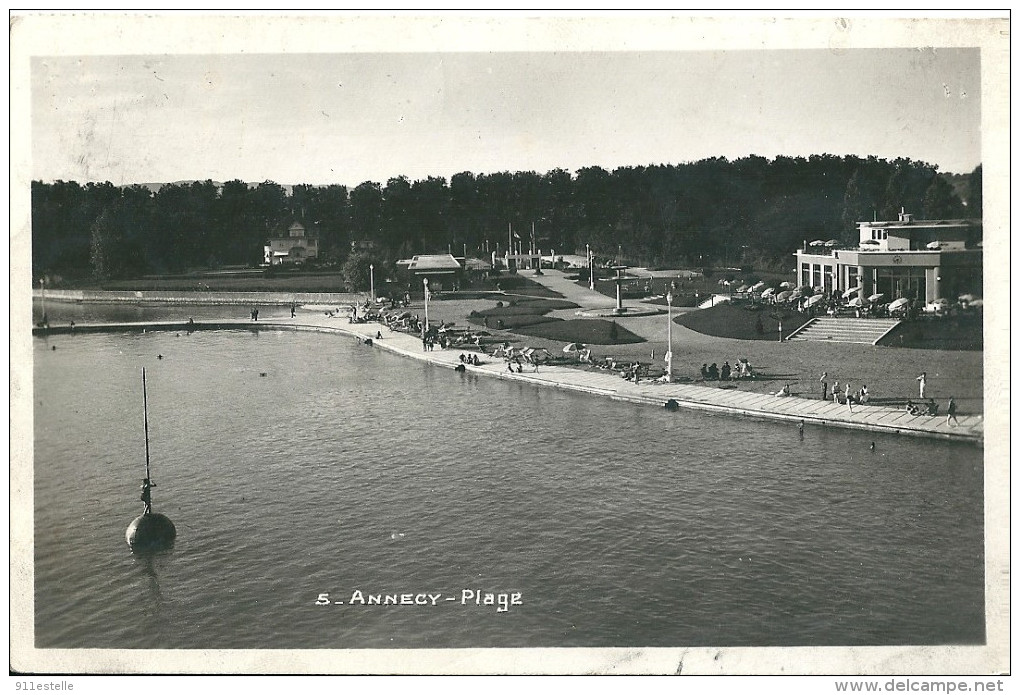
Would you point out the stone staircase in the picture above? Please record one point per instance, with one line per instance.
(844, 330)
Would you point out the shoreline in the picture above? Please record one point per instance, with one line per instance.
(691, 396)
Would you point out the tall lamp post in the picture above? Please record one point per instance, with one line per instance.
(591, 267)
(425, 326)
(669, 335)
(371, 281)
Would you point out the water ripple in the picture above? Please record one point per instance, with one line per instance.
(346, 468)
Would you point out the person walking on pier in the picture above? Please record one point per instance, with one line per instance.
(825, 385)
(849, 397)
(921, 383)
(951, 412)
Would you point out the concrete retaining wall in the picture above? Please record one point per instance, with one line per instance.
(213, 298)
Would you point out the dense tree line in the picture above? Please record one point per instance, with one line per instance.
(711, 211)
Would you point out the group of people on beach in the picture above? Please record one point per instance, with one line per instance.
(848, 396)
(742, 370)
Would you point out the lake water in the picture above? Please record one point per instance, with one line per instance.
(347, 469)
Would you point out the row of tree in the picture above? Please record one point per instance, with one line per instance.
(706, 212)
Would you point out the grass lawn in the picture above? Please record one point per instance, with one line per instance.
(516, 284)
(510, 322)
(728, 321)
(587, 331)
(255, 282)
(527, 317)
(527, 306)
(961, 332)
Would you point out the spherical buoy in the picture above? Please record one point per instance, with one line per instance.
(151, 533)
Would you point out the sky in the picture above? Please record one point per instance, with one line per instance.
(345, 118)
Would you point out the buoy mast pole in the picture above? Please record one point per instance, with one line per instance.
(147, 483)
(145, 416)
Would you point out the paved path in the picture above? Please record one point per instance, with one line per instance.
(571, 290)
(716, 398)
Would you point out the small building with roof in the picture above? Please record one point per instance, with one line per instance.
(442, 270)
(296, 247)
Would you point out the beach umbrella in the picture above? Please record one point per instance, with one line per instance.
(817, 242)
(757, 286)
(769, 291)
(875, 297)
(934, 245)
(812, 300)
(786, 285)
(900, 303)
(832, 242)
(743, 288)
(871, 242)
(574, 347)
(851, 292)
(783, 296)
(856, 302)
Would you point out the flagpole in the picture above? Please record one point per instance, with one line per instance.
(425, 328)
(669, 333)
